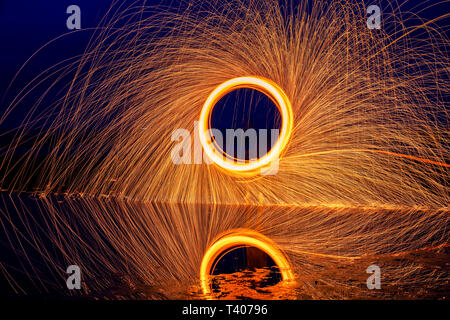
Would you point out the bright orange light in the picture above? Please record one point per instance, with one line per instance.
(242, 237)
(265, 86)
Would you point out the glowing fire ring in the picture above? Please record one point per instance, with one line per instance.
(265, 86)
(240, 238)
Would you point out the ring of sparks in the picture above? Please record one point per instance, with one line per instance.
(275, 93)
(242, 238)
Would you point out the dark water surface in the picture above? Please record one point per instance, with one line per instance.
(132, 250)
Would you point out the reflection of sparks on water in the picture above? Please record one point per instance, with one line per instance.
(248, 284)
(242, 237)
(158, 248)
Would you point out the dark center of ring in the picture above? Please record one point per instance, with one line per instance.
(246, 108)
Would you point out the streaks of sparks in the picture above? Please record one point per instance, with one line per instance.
(349, 88)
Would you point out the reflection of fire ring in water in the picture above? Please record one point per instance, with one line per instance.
(242, 237)
(275, 93)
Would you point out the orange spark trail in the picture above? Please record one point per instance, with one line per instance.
(376, 151)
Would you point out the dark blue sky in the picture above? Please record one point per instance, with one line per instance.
(25, 25)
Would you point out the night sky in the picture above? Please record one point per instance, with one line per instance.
(26, 25)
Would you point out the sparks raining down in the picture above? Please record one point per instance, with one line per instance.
(363, 172)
